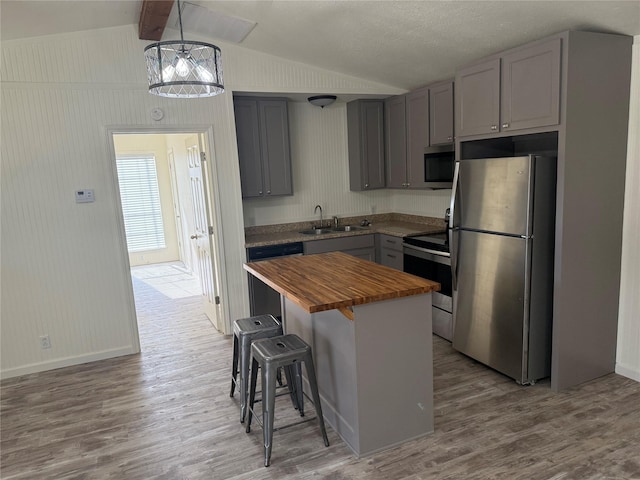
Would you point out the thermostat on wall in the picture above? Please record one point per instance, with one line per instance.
(85, 196)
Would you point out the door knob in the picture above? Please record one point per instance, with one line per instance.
(194, 236)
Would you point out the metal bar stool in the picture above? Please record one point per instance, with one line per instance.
(287, 351)
(245, 331)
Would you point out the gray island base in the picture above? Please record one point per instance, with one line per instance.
(375, 372)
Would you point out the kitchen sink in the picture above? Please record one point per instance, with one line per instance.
(347, 228)
(316, 231)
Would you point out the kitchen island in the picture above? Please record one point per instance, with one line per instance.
(370, 330)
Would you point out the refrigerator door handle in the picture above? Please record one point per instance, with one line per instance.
(453, 232)
(454, 195)
(453, 242)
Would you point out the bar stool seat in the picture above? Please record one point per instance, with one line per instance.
(270, 354)
(245, 331)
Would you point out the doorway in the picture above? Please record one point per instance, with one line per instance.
(163, 181)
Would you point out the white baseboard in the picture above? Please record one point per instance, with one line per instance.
(631, 373)
(66, 362)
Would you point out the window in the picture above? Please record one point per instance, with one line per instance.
(140, 197)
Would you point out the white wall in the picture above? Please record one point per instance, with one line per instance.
(64, 265)
(628, 353)
(320, 164)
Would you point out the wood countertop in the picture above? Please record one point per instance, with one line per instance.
(335, 280)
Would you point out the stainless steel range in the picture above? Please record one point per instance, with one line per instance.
(427, 256)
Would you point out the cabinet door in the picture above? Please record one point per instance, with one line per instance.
(392, 258)
(395, 142)
(417, 128)
(441, 114)
(248, 137)
(531, 87)
(373, 143)
(275, 150)
(365, 135)
(478, 98)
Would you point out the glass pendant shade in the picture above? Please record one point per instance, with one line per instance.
(184, 69)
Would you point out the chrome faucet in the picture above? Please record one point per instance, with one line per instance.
(315, 210)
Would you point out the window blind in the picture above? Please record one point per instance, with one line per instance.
(140, 197)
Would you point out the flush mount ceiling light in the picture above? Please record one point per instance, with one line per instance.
(322, 100)
(184, 69)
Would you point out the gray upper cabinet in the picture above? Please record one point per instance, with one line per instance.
(417, 105)
(395, 141)
(406, 136)
(531, 87)
(441, 114)
(478, 98)
(262, 131)
(365, 130)
(517, 91)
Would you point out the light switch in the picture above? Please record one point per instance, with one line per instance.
(85, 196)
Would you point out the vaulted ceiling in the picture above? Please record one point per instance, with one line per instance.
(400, 43)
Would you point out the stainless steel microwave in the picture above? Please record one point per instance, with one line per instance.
(439, 163)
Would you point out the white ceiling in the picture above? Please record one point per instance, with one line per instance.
(399, 43)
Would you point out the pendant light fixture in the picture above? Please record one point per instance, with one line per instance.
(184, 69)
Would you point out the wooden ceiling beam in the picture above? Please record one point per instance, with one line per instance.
(153, 18)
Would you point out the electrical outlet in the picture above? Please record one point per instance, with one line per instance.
(45, 342)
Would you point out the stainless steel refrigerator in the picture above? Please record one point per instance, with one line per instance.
(502, 235)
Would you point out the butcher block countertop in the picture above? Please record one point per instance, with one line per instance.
(335, 280)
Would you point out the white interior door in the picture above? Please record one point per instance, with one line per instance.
(204, 235)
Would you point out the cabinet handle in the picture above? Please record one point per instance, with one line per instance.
(366, 185)
(260, 192)
(390, 256)
(391, 241)
(268, 192)
(505, 125)
(450, 138)
(407, 184)
(494, 128)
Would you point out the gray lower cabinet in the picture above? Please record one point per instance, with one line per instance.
(262, 131)
(406, 136)
(365, 135)
(390, 251)
(361, 246)
(515, 91)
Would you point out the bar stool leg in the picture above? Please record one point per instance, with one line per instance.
(311, 375)
(252, 392)
(234, 366)
(268, 406)
(297, 368)
(245, 359)
(289, 375)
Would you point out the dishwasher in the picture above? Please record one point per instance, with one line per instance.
(262, 298)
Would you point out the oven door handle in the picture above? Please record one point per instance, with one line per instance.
(428, 254)
(427, 250)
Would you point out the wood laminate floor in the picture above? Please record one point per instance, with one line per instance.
(166, 414)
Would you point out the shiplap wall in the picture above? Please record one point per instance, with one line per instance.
(64, 265)
(628, 353)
